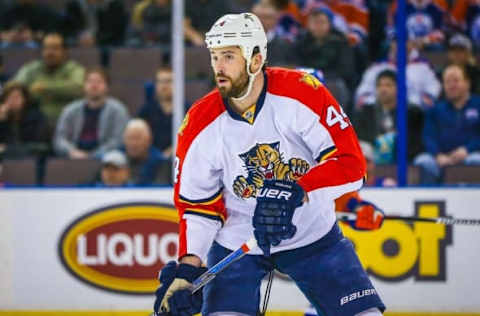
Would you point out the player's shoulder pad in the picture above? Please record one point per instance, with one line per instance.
(298, 85)
(201, 114)
(288, 81)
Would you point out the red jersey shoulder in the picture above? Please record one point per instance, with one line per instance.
(201, 114)
(286, 82)
(299, 85)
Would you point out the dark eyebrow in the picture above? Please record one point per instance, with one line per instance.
(225, 52)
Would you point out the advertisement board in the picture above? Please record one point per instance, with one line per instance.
(85, 249)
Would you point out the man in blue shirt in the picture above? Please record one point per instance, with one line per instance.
(148, 165)
(451, 132)
(158, 112)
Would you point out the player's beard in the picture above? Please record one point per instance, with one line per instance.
(237, 87)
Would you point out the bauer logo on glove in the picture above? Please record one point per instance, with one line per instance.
(272, 220)
(274, 194)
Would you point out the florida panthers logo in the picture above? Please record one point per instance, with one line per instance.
(264, 161)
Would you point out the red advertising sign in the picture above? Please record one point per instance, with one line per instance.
(121, 248)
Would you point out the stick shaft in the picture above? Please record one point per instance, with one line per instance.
(223, 264)
(345, 216)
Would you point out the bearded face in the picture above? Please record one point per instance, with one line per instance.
(232, 87)
(230, 69)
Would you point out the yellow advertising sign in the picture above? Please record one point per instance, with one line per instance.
(400, 250)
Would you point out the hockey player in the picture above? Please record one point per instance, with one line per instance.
(267, 153)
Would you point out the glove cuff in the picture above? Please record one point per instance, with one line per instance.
(299, 194)
(352, 204)
(189, 272)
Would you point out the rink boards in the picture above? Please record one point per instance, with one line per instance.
(98, 251)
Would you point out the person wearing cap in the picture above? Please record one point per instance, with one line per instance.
(264, 157)
(460, 53)
(115, 170)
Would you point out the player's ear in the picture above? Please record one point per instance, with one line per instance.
(256, 62)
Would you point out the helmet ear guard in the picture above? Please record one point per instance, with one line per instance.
(244, 30)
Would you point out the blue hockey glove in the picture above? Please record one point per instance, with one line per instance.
(272, 220)
(369, 216)
(174, 296)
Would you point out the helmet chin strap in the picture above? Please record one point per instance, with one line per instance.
(251, 77)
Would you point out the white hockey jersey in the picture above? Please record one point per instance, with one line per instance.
(296, 131)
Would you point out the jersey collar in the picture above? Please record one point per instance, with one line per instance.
(258, 105)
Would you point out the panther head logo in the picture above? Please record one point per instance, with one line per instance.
(265, 162)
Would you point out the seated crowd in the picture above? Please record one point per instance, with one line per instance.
(56, 106)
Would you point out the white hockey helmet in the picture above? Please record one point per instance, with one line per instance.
(244, 30)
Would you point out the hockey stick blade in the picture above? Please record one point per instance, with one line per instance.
(211, 273)
(344, 216)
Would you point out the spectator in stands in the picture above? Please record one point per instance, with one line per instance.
(200, 16)
(100, 22)
(452, 128)
(23, 127)
(460, 53)
(91, 126)
(422, 84)
(158, 111)
(465, 15)
(35, 16)
(54, 80)
(322, 48)
(285, 19)
(372, 180)
(376, 123)
(349, 17)
(115, 170)
(146, 161)
(19, 36)
(279, 47)
(290, 8)
(152, 23)
(425, 21)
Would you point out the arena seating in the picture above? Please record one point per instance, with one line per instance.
(462, 175)
(197, 63)
(130, 92)
(135, 64)
(60, 171)
(88, 57)
(18, 172)
(391, 172)
(14, 58)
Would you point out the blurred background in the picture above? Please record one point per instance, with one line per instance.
(88, 95)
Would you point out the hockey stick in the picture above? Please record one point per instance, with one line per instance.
(344, 216)
(223, 264)
(211, 273)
